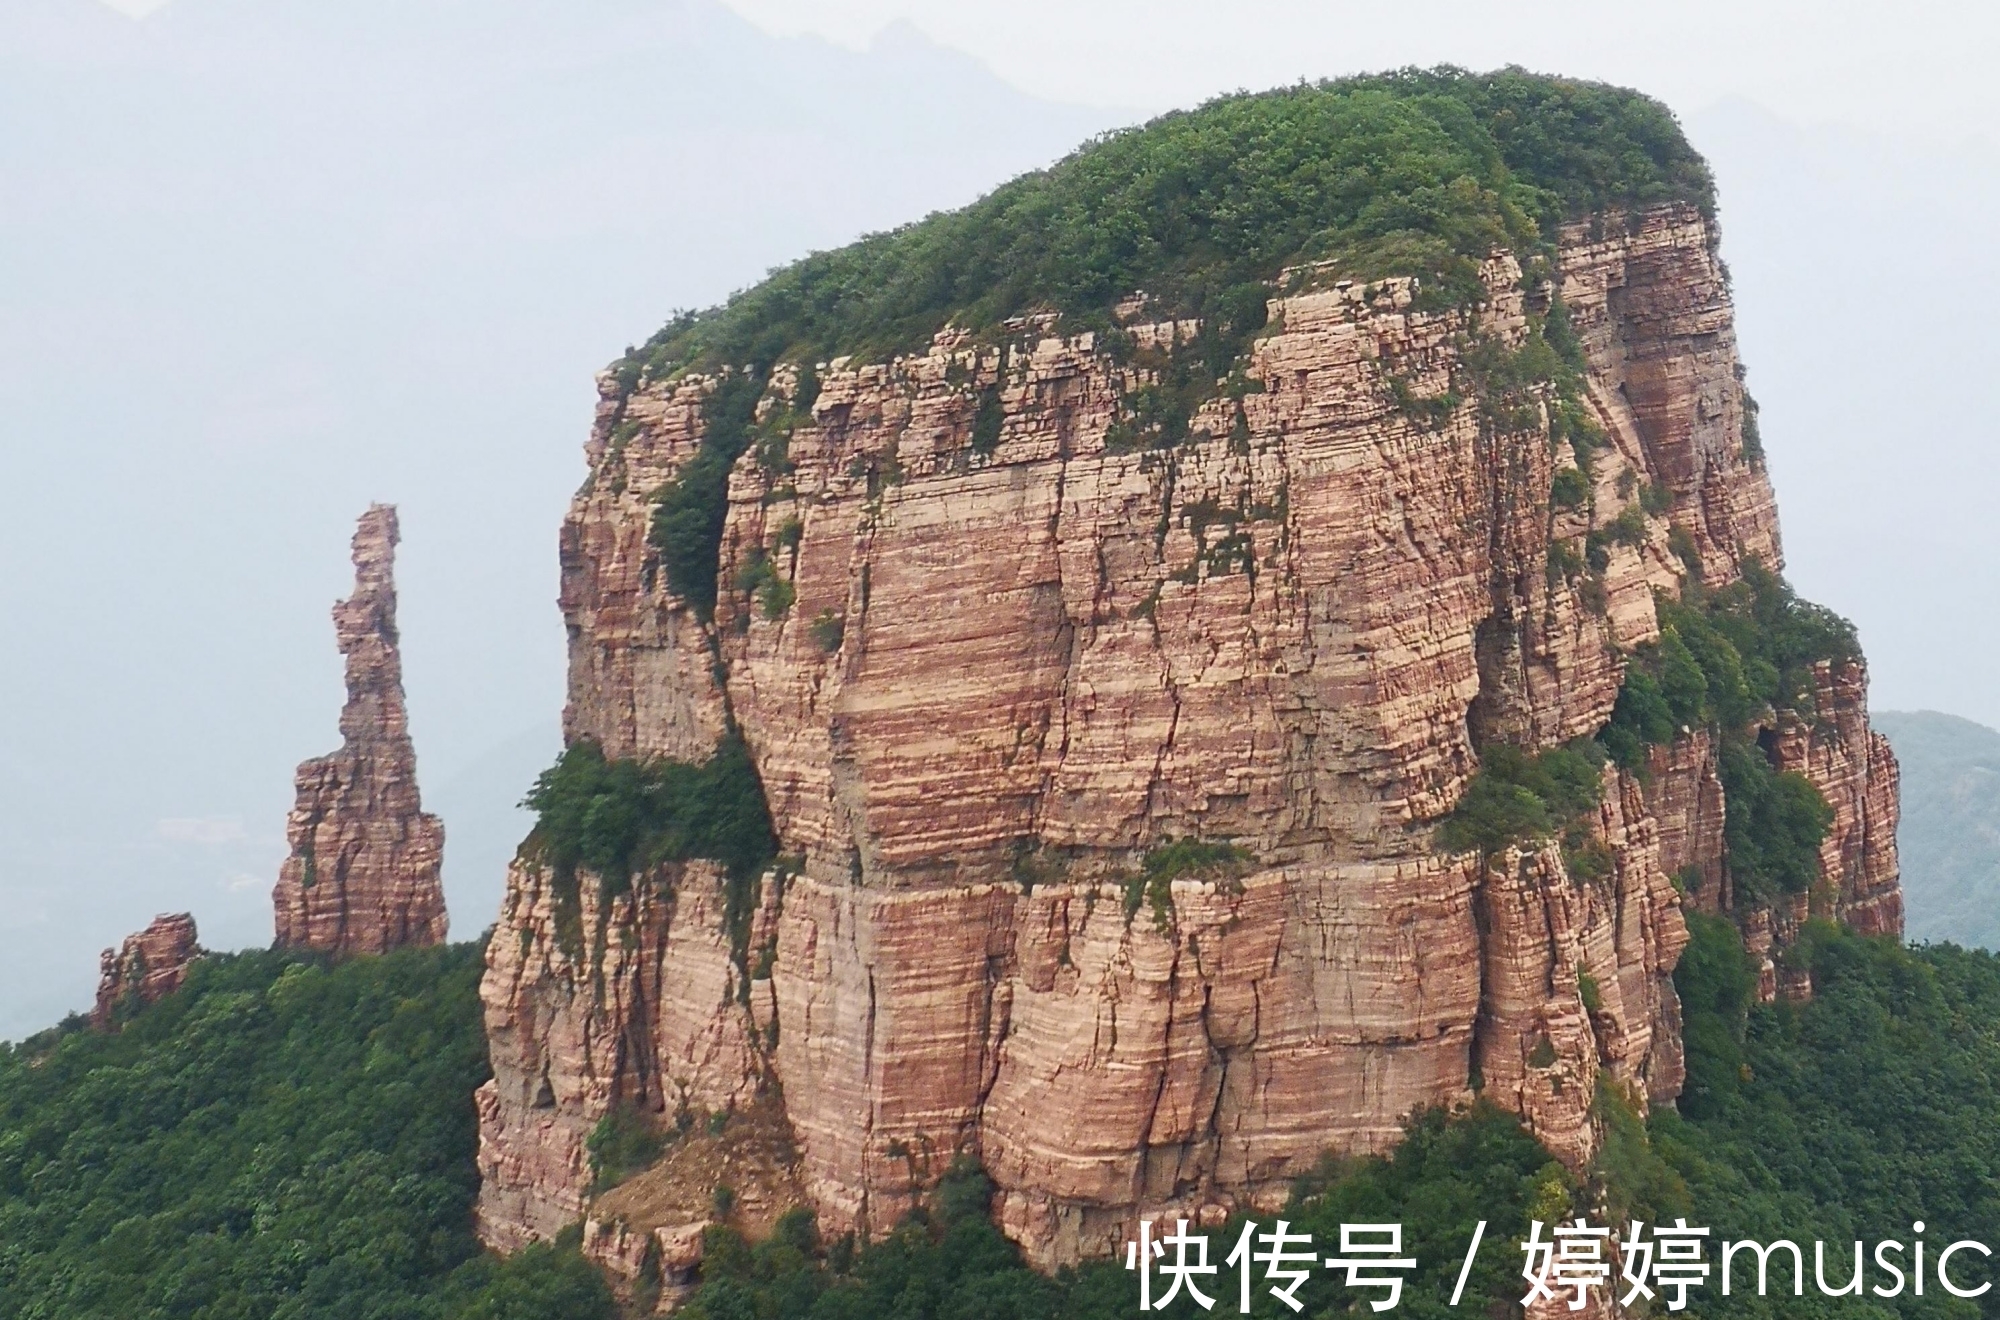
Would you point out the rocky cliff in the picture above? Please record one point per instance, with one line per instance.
(998, 657)
(147, 968)
(363, 874)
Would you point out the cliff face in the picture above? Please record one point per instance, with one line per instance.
(363, 874)
(1855, 769)
(1011, 667)
(147, 968)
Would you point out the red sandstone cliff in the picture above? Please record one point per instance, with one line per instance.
(1050, 658)
(147, 968)
(363, 875)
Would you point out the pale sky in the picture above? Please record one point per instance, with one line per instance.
(1917, 64)
(1922, 63)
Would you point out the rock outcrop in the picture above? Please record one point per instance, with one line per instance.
(363, 874)
(631, 1000)
(1855, 770)
(1007, 667)
(147, 968)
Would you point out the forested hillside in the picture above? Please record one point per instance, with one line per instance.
(280, 1138)
(287, 1139)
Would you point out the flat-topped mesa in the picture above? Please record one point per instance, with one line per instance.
(363, 874)
(1107, 687)
(149, 966)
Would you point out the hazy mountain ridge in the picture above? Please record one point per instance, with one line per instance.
(1950, 837)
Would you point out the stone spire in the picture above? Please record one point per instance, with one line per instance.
(363, 872)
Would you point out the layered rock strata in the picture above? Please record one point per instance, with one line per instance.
(1007, 669)
(147, 968)
(1855, 771)
(364, 871)
(634, 1000)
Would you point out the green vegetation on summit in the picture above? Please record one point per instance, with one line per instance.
(1421, 172)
